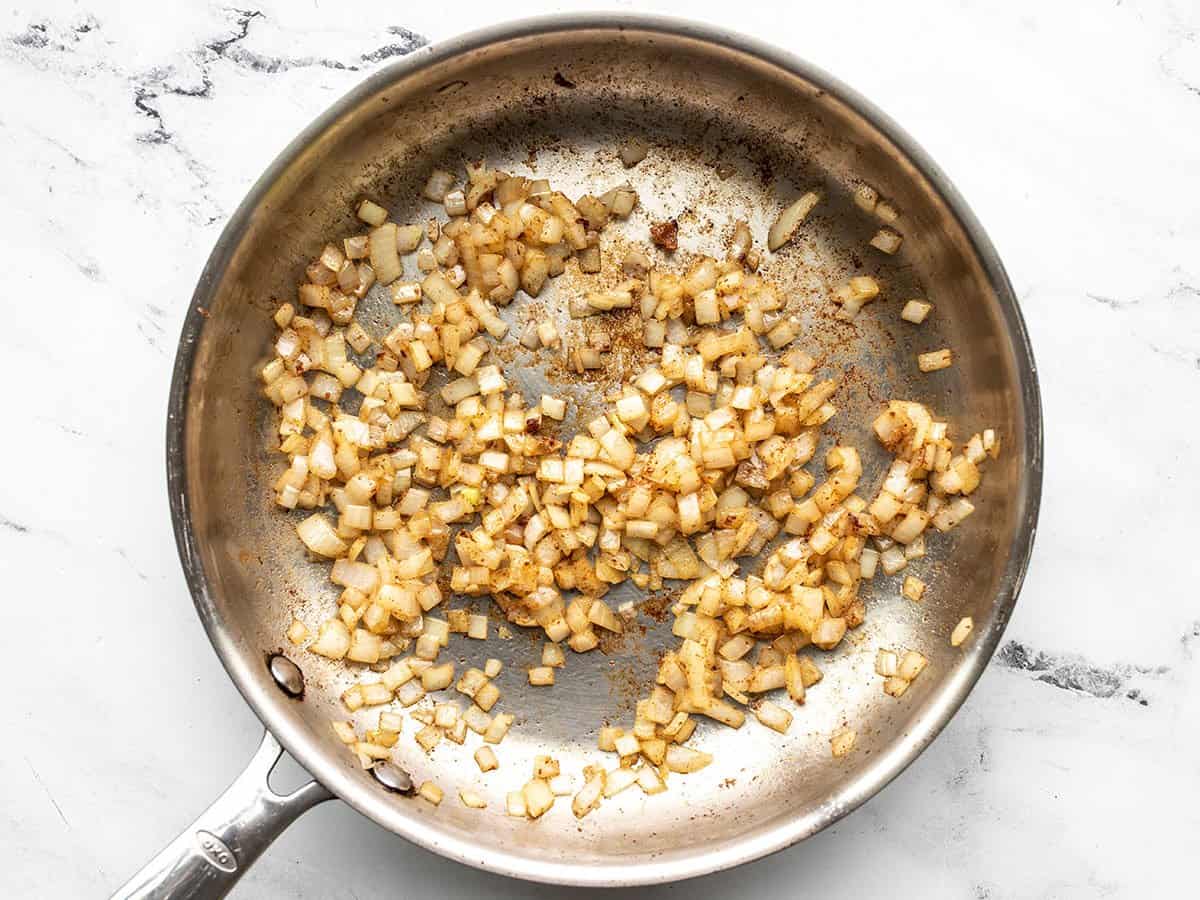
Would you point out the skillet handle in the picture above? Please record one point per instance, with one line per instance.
(215, 851)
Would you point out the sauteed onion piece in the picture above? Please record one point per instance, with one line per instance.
(425, 478)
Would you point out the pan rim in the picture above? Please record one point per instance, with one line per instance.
(267, 704)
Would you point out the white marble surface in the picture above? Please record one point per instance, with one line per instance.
(129, 132)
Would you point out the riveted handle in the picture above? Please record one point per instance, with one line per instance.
(206, 861)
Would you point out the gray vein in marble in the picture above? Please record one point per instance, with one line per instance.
(40, 39)
(61, 426)
(228, 48)
(62, 148)
(149, 86)
(124, 554)
(142, 97)
(1113, 302)
(409, 41)
(1072, 673)
(1177, 292)
(151, 338)
(49, 796)
(38, 36)
(963, 775)
(241, 29)
(1181, 291)
(86, 265)
(1180, 35)
(1190, 637)
(9, 525)
(1183, 356)
(232, 50)
(89, 269)
(34, 36)
(150, 328)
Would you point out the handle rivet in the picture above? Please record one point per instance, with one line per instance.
(287, 675)
(393, 778)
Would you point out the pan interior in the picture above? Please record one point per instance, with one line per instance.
(731, 136)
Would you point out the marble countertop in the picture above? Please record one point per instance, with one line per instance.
(130, 131)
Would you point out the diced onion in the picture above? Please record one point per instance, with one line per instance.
(538, 798)
(865, 197)
(446, 481)
(431, 792)
(297, 632)
(385, 258)
(790, 220)
(935, 360)
(773, 716)
(842, 741)
(372, 213)
(438, 185)
(886, 240)
(632, 152)
(319, 536)
(589, 797)
(915, 311)
(913, 588)
(685, 759)
(333, 640)
(911, 665)
(962, 631)
(471, 799)
(886, 663)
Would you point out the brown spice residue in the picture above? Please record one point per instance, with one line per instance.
(657, 605)
(626, 682)
(611, 642)
(531, 309)
(665, 235)
(626, 356)
(628, 351)
(507, 351)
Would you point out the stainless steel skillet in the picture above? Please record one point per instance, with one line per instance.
(735, 129)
